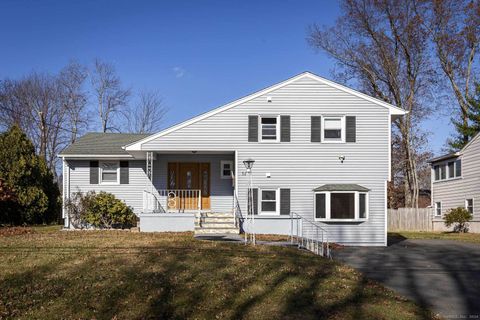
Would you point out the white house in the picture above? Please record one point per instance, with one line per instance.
(321, 152)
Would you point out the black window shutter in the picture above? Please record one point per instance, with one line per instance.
(351, 125)
(316, 128)
(284, 128)
(252, 128)
(124, 172)
(93, 172)
(285, 201)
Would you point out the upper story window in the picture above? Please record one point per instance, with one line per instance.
(109, 172)
(269, 127)
(447, 170)
(333, 129)
(341, 206)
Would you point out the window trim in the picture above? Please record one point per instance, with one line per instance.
(277, 128)
(342, 125)
(328, 206)
(436, 208)
(473, 204)
(277, 202)
(100, 172)
(222, 163)
(443, 166)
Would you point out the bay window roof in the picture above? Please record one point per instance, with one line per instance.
(341, 187)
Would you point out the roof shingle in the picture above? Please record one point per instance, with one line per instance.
(94, 143)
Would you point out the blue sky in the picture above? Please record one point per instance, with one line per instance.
(197, 54)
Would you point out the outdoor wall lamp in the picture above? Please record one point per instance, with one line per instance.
(341, 158)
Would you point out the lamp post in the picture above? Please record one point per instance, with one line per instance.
(250, 210)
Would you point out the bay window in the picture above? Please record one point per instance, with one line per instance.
(341, 206)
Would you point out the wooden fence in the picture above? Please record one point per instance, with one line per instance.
(410, 219)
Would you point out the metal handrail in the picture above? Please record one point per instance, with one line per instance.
(236, 210)
(157, 202)
(318, 244)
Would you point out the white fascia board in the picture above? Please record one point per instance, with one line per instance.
(137, 146)
(94, 156)
(475, 137)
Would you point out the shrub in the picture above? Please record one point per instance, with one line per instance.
(459, 217)
(100, 210)
(33, 196)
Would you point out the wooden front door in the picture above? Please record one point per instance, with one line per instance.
(186, 177)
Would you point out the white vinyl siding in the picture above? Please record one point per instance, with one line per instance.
(301, 165)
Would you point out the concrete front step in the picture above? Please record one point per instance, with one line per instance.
(212, 230)
(217, 215)
(212, 224)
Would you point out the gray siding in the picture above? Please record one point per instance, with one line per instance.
(452, 193)
(301, 165)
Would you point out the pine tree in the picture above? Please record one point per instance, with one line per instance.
(33, 195)
(473, 124)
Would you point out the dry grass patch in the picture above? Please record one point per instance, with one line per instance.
(465, 237)
(103, 275)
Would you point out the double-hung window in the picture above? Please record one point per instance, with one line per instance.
(341, 206)
(438, 209)
(469, 205)
(269, 201)
(333, 129)
(269, 128)
(109, 172)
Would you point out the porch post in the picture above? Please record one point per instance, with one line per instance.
(149, 167)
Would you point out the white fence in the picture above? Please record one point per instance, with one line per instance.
(410, 219)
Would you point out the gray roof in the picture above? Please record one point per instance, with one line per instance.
(341, 187)
(94, 143)
(444, 157)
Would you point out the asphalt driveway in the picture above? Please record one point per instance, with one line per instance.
(443, 275)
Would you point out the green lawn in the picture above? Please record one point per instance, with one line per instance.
(465, 237)
(47, 273)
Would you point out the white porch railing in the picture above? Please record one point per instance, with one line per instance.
(172, 200)
(309, 235)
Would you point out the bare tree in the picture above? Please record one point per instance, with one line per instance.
(455, 29)
(382, 45)
(111, 97)
(71, 80)
(147, 114)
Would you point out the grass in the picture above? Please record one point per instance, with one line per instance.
(47, 273)
(465, 237)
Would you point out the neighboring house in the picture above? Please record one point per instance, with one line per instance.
(321, 150)
(456, 183)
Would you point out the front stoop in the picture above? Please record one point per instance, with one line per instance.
(216, 223)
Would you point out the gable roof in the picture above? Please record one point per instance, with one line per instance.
(392, 109)
(455, 154)
(101, 144)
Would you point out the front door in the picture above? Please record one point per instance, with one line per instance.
(185, 179)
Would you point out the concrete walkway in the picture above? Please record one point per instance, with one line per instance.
(442, 275)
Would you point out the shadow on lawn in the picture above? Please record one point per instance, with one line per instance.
(224, 281)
